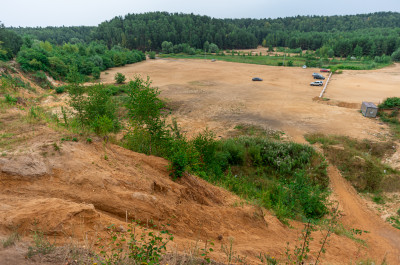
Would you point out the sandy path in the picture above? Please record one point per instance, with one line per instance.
(382, 237)
(221, 95)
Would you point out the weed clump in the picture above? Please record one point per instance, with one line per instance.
(131, 247)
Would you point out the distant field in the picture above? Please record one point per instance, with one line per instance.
(279, 60)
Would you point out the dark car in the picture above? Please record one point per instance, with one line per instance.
(318, 76)
(257, 79)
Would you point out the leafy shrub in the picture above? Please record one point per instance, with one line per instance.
(97, 110)
(119, 78)
(235, 152)
(96, 73)
(60, 89)
(152, 55)
(133, 248)
(389, 103)
(179, 162)
(10, 99)
(146, 110)
(396, 55)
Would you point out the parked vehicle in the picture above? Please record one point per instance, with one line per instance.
(323, 70)
(317, 83)
(257, 79)
(318, 76)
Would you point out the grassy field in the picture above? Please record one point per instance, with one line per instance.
(280, 60)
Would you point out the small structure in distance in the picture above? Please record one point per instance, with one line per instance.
(369, 109)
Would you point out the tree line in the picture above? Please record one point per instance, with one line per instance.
(374, 34)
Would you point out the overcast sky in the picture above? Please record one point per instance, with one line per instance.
(92, 12)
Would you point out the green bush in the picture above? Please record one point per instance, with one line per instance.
(152, 55)
(179, 163)
(146, 110)
(10, 99)
(60, 89)
(396, 55)
(133, 248)
(389, 103)
(96, 110)
(96, 73)
(119, 78)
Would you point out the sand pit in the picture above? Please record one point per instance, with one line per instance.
(358, 86)
(220, 95)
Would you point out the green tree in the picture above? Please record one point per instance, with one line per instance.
(2, 52)
(206, 46)
(213, 48)
(358, 51)
(331, 53)
(264, 43)
(119, 78)
(100, 111)
(152, 55)
(146, 110)
(167, 47)
(396, 55)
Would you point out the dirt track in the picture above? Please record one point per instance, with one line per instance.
(219, 95)
(381, 237)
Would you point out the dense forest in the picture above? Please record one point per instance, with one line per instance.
(57, 35)
(84, 59)
(10, 43)
(352, 35)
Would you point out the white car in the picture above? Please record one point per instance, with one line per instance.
(317, 83)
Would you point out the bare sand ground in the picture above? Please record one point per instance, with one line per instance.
(220, 95)
(358, 86)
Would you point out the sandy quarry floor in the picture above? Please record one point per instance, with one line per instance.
(358, 86)
(220, 95)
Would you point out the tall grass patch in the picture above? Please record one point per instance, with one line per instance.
(360, 162)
